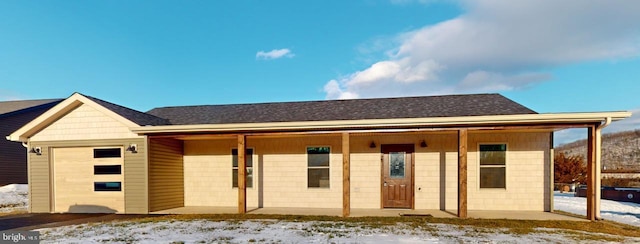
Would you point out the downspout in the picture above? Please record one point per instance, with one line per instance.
(598, 162)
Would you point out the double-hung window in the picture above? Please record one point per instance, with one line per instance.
(249, 173)
(318, 167)
(493, 165)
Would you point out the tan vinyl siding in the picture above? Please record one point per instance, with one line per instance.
(39, 180)
(135, 168)
(84, 123)
(526, 180)
(279, 167)
(166, 174)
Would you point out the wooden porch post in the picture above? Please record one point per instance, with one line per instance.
(462, 173)
(591, 173)
(242, 176)
(346, 176)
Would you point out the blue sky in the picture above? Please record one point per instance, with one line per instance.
(552, 56)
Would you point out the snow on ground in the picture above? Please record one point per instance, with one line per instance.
(274, 231)
(623, 212)
(14, 198)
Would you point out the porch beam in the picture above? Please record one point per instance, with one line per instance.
(462, 173)
(346, 176)
(591, 173)
(242, 177)
(391, 129)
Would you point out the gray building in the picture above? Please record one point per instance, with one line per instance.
(13, 156)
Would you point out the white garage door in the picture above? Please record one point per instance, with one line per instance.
(88, 180)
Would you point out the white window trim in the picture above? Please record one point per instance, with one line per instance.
(506, 167)
(252, 167)
(317, 167)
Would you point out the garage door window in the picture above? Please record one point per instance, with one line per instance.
(107, 186)
(107, 153)
(107, 169)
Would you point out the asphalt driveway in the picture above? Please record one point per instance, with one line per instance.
(31, 221)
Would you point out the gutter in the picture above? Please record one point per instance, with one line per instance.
(598, 186)
(386, 123)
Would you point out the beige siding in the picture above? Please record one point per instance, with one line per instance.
(166, 174)
(280, 173)
(526, 180)
(135, 178)
(208, 172)
(84, 123)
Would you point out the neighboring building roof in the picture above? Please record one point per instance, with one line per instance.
(355, 109)
(13, 106)
(137, 117)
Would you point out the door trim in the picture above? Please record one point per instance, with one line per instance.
(413, 176)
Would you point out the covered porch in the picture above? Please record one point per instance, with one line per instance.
(167, 148)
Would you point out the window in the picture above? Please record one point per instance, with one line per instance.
(107, 169)
(493, 164)
(106, 153)
(249, 172)
(107, 186)
(318, 167)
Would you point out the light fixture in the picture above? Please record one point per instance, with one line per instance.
(133, 148)
(36, 150)
(372, 145)
(423, 143)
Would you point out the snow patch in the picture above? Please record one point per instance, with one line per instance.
(14, 197)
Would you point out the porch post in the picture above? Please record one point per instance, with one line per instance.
(462, 173)
(591, 173)
(346, 176)
(242, 177)
(598, 167)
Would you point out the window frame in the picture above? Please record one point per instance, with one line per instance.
(253, 152)
(328, 167)
(505, 166)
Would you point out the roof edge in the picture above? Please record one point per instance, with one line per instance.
(516, 119)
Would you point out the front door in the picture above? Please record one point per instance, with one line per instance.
(397, 177)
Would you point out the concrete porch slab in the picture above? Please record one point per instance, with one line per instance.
(520, 215)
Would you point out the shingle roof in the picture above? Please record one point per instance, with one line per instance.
(13, 106)
(137, 117)
(381, 108)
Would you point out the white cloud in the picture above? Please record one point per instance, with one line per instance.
(275, 54)
(498, 46)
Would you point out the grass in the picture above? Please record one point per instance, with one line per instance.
(576, 230)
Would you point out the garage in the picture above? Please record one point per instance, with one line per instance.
(88, 180)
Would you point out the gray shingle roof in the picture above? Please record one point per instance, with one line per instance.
(381, 108)
(13, 106)
(137, 117)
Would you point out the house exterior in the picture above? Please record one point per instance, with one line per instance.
(13, 156)
(452, 153)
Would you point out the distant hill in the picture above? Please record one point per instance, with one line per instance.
(620, 151)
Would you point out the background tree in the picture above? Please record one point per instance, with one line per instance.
(569, 169)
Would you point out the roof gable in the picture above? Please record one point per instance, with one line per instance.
(355, 109)
(126, 116)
